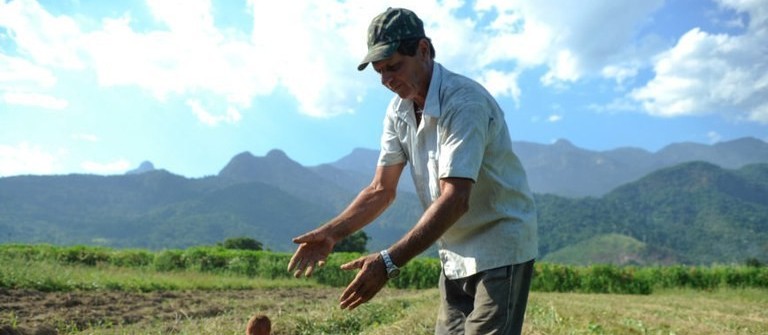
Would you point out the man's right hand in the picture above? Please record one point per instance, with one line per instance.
(314, 248)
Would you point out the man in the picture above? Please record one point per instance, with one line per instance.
(478, 206)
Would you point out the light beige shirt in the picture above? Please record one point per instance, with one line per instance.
(463, 134)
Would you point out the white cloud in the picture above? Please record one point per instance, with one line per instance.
(25, 83)
(713, 73)
(18, 73)
(34, 100)
(26, 159)
(232, 115)
(179, 62)
(570, 38)
(564, 68)
(501, 83)
(554, 118)
(49, 40)
(312, 53)
(114, 167)
(620, 72)
(310, 50)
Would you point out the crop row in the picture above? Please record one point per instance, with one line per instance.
(418, 274)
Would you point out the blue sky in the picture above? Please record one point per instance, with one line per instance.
(94, 86)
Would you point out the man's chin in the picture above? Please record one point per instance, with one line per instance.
(402, 95)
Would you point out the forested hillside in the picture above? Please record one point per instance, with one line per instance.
(694, 212)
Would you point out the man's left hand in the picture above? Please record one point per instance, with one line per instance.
(368, 281)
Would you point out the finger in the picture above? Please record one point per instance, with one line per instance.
(356, 303)
(310, 269)
(347, 292)
(348, 301)
(293, 262)
(352, 289)
(299, 268)
(321, 263)
(308, 237)
(356, 264)
(353, 302)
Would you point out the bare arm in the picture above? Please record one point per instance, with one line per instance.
(368, 204)
(316, 245)
(441, 215)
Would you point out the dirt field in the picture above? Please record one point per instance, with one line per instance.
(305, 310)
(35, 312)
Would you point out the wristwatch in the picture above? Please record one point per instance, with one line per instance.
(392, 270)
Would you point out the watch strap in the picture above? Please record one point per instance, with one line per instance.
(387, 260)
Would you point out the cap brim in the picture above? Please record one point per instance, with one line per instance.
(377, 53)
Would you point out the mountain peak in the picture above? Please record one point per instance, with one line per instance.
(276, 154)
(563, 143)
(145, 166)
(246, 166)
(243, 155)
(358, 160)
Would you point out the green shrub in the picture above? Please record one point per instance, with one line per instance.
(131, 258)
(420, 273)
(554, 278)
(242, 243)
(331, 274)
(169, 260)
(205, 259)
(83, 255)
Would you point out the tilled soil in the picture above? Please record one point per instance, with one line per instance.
(41, 313)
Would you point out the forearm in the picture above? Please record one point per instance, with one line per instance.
(366, 207)
(436, 220)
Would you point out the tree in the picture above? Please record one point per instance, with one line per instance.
(353, 243)
(241, 243)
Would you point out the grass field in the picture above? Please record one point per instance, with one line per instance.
(312, 310)
(53, 295)
(114, 300)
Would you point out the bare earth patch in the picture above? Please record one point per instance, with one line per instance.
(36, 312)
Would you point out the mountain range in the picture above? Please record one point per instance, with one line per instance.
(566, 170)
(687, 203)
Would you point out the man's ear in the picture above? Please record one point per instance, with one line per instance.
(424, 48)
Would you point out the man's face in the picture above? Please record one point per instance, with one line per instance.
(404, 75)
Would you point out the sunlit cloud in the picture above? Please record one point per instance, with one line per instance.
(27, 159)
(314, 56)
(34, 100)
(707, 73)
(231, 115)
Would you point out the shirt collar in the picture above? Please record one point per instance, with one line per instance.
(432, 103)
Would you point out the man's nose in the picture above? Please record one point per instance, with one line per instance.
(385, 78)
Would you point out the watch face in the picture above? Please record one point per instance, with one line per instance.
(393, 273)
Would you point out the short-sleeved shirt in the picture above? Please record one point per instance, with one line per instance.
(463, 134)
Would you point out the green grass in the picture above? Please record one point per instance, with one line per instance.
(124, 292)
(420, 273)
(223, 303)
(50, 276)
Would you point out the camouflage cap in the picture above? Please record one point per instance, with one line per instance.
(387, 30)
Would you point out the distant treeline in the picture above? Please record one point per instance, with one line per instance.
(420, 273)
